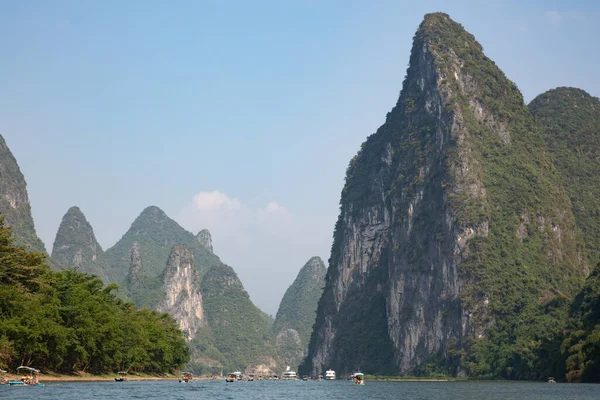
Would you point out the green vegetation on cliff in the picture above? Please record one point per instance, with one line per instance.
(68, 321)
(297, 312)
(14, 202)
(570, 121)
(241, 330)
(581, 348)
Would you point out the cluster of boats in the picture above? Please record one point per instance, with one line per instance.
(29, 377)
(358, 377)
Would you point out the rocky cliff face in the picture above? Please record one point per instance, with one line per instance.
(297, 312)
(14, 202)
(453, 228)
(75, 245)
(182, 291)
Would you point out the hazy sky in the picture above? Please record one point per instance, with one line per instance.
(237, 116)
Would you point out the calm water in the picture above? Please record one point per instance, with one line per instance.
(279, 390)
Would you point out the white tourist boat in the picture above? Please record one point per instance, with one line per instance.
(330, 375)
(289, 375)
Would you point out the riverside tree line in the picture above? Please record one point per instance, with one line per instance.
(69, 321)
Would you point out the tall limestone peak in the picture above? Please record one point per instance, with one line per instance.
(182, 291)
(297, 312)
(454, 228)
(205, 239)
(14, 201)
(75, 245)
(155, 234)
(570, 121)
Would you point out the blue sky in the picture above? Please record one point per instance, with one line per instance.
(237, 116)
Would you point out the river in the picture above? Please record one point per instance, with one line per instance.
(311, 390)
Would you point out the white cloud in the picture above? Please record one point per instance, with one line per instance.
(210, 201)
(266, 245)
(553, 17)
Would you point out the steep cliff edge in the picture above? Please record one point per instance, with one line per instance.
(570, 121)
(297, 312)
(454, 231)
(182, 291)
(14, 201)
(75, 245)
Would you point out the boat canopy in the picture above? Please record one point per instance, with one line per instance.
(187, 373)
(122, 372)
(3, 371)
(28, 369)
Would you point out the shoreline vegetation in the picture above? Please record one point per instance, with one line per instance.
(86, 377)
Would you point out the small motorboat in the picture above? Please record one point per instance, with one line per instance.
(187, 377)
(358, 378)
(305, 378)
(29, 377)
(122, 376)
(234, 376)
(330, 375)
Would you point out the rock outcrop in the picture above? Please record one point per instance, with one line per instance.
(75, 245)
(182, 291)
(454, 231)
(14, 201)
(297, 312)
(205, 239)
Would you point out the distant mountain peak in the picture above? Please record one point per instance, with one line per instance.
(205, 239)
(153, 213)
(75, 245)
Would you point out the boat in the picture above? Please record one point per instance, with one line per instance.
(289, 375)
(305, 378)
(551, 380)
(3, 380)
(320, 377)
(358, 378)
(186, 377)
(234, 376)
(330, 375)
(122, 376)
(29, 377)
(250, 378)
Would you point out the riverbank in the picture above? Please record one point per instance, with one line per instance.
(85, 377)
(412, 378)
